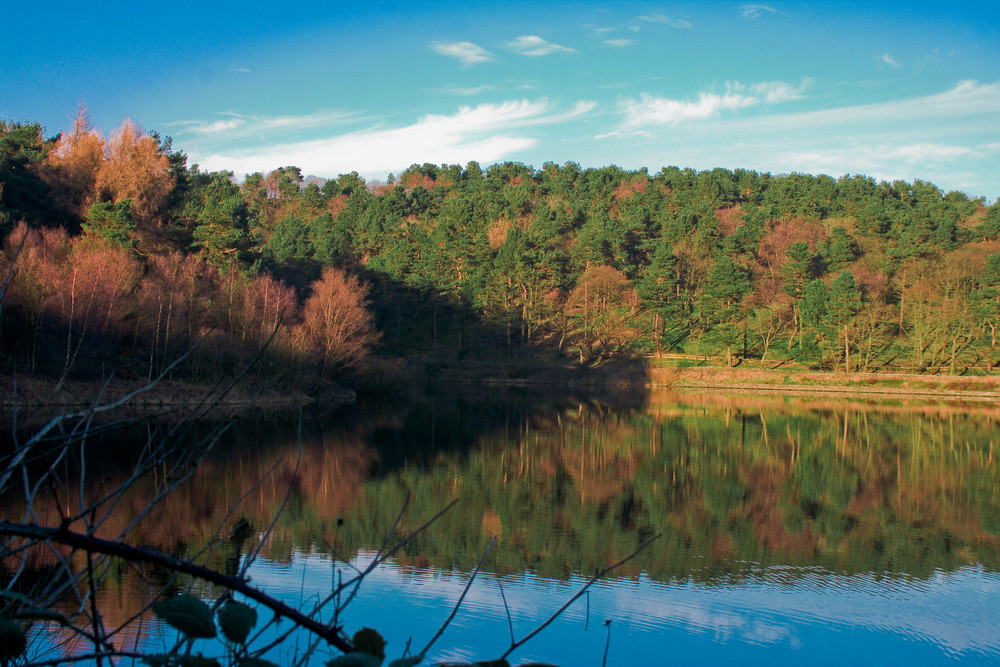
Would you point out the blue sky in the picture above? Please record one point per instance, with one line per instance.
(887, 89)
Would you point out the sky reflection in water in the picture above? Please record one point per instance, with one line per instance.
(778, 617)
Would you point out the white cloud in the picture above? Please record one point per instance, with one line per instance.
(875, 159)
(773, 92)
(210, 127)
(651, 110)
(466, 91)
(618, 42)
(942, 164)
(239, 69)
(886, 59)
(753, 11)
(656, 17)
(949, 138)
(967, 98)
(486, 133)
(467, 52)
(533, 45)
(239, 125)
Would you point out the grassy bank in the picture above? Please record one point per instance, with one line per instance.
(674, 374)
(634, 375)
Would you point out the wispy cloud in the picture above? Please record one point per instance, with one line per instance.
(774, 92)
(236, 125)
(486, 132)
(533, 45)
(886, 59)
(652, 110)
(619, 42)
(875, 155)
(466, 91)
(467, 52)
(656, 17)
(239, 69)
(882, 161)
(754, 11)
(938, 137)
(967, 98)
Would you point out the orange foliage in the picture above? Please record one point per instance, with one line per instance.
(135, 168)
(874, 285)
(39, 269)
(604, 303)
(173, 303)
(79, 285)
(774, 246)
(626, 189)
(413, 180)
(102, 279)
(258, 307)
(336, 324)
(729, 219)
(337, 204)
(497, 233)
(71, 168)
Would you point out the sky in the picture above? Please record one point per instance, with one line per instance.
(885, 89)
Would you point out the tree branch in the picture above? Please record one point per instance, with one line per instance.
(61, 535)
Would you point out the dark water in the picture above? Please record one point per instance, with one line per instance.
(791, 531)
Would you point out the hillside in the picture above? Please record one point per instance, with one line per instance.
(119, 257)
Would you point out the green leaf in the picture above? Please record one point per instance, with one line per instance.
(188, 614)
(368, 640)
(408, 661)
(12, 640)
(237, 620)
(357, 659)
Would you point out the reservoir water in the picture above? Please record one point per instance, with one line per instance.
(791, 530)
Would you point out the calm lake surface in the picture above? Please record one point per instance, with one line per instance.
(792, 530)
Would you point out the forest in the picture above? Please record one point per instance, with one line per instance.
(119, 257)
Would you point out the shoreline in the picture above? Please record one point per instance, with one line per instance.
(33, 393)
(871, 386)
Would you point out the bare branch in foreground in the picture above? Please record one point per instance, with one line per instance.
(87, 542)
(515, 645)
(461, 597)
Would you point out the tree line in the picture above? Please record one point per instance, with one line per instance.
(118, 239)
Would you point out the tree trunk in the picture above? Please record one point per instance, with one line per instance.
(847, 352)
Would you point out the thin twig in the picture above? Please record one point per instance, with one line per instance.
(381, 559)
(23, 451)
(506, 609)
(130, 553)
(607, 643)
(458, 604)
(573, 599)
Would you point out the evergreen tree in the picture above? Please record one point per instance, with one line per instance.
(112, 221)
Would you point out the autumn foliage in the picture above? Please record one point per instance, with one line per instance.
(76, 304)
(336, 327)
(472, 262)
(85, 168)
